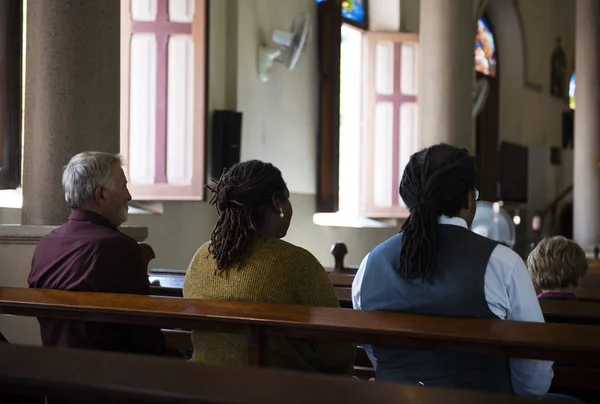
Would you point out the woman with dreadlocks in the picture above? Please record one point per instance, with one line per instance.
(437, 266)
(246, 260)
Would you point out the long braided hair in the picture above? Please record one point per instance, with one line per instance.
(242, 197)
(436, 181)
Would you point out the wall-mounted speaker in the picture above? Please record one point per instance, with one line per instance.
(226, 141)
(568, 129)
(555, 155)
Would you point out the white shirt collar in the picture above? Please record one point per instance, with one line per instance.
(455, 221)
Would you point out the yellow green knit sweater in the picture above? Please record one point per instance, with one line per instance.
(275, 272)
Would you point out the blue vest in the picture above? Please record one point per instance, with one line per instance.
(455, 290)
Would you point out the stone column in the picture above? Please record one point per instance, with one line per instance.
(72, 96)
(586, 196)
(447, 35)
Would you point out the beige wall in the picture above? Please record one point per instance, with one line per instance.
(527, 116)
(280, 117)
(544, 21)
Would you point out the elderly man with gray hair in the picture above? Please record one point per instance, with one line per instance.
(89, 253)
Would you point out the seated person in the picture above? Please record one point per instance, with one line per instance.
(246, 260)
(437, 266)
(557, 265)
(89, 253)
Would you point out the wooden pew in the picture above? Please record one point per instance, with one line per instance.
(554, 311)
(572, 343)
(166, 282)
(589, 291)
(67, 373)
(342, 278)
(581, 379)
(147, 254)
(339, 251)
(581, 312)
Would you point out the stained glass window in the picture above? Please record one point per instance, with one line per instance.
(485, 49)
(572, 92)
(353, 10)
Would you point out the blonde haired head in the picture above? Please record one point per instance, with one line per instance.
(557, 263)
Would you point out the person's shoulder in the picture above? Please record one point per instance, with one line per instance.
(286, 251)
(201, 257)
(393, 243)
(287, 247)
(505, 257)
(89, 232)
(505, 264)
(86, 236)
(470, 235)
(57, 233)
(115, 238)
(202, 252)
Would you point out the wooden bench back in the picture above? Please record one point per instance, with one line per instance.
(79, 374)
(580, 312)
(572, 343)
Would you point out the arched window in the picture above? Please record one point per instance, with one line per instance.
(485, 49)
(572, 91)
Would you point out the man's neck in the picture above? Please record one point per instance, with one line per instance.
(97, 211)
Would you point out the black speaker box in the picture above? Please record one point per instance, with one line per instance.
(568, 129)
(226, 141)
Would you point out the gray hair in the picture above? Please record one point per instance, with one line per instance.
(85, 172)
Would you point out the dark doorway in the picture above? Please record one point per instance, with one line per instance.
(565, 221)
(486, 142)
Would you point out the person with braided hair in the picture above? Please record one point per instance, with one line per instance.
(437, 266)
(246, 260)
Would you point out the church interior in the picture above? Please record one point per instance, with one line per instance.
(338, 95)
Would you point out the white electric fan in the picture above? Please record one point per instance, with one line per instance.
(480, 94)
(493, 222)
(290, 47)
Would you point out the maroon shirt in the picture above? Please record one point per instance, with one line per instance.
(88, 253)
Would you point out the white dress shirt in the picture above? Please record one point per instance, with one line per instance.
(510, 295)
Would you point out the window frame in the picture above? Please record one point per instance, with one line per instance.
(163, 191)
(329, 38)
(396, 209)
(329, 41)
(328, 169)
(11, 51)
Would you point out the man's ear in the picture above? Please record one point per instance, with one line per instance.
(275, 203)
(467, 203)
(99, 195)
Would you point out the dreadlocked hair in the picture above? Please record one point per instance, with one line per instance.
(436, 181)
(241, 196)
